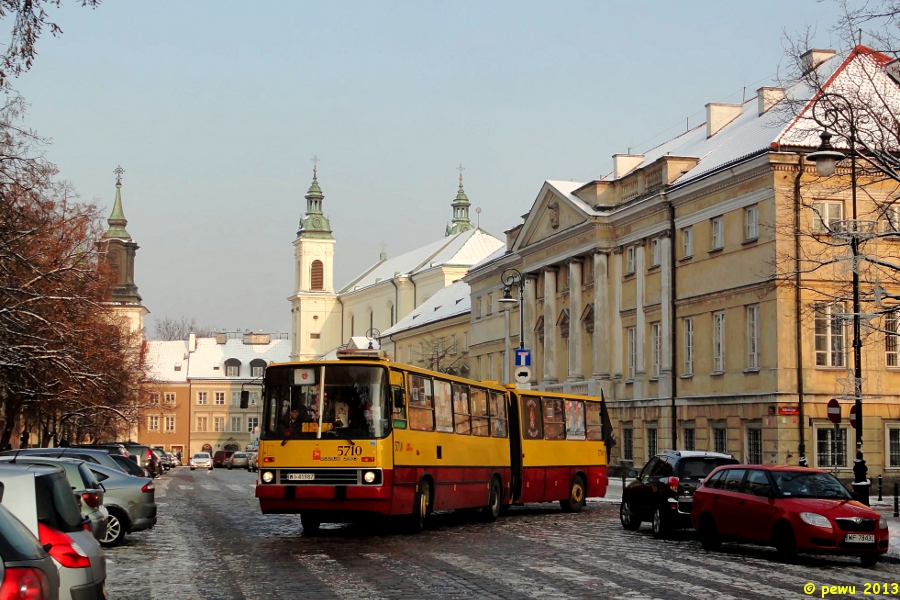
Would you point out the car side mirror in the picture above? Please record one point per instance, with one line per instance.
(245, 398)
(398, 397)
(632, 473)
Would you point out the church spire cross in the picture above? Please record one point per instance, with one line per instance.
(460, 168)
(315, 161)
(118, 171)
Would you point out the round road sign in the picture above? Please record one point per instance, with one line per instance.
(523, 374)
(834, 411)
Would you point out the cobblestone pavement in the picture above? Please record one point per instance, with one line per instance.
(211, 542)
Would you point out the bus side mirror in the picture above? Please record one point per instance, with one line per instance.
(398, 397)
(245, 399)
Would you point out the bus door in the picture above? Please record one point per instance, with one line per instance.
(515, 448)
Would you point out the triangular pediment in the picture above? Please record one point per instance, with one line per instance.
(554, 210)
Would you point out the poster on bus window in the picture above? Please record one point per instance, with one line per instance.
(443, 407)
(574, 419)
(531, 418)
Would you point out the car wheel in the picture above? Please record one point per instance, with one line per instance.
(115, 530)
(420, 508)
(709, 534)
(577, 496)
(192, 468)
(229, 467)
(310, 524)
(659, 524)
(868, 560)
(628, 517)
(492, 510)
(784, 540)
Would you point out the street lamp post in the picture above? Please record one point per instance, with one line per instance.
(511, 277)
(832, 110)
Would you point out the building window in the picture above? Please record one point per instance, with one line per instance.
(562, 280)
(890, 340)
(629, 260)
(891, 222)
(477, 307)
(753, 336)
(218, 424)
(719, 342)
(452, 349)
(690, 438)
(220, 399)
(587, 270)
(751, 222)
(392, 315)
(490, 366)
(826, 216)
(824, 439)
(202, 398)
(170, 398)
(232, 371)
(153, 423)
(352, 325)
(655, 348)
(202, 423)
(720, 440)
(252, 423)
(317, 276)
(235, 423)
(235, 398)
(687, 242)
(632, 351)
(893, 438)
(257, 372)
(652, 442)
(254, 398)
(154, 398)
(718, 233)
(829, 328)
(490, 304)
(627, 443)
(688, 346)
(170, 423)
(478, 368)
(654, 252)
(754, 446)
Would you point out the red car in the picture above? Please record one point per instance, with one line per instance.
(221, 456)
(791, 508)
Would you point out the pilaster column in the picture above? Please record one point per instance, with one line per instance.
(575, 308)
(550, 324)
(530, 304)
(640, 320)
(666, 371)
(618, 356)
(600, 350)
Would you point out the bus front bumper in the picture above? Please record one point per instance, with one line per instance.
(293, 499)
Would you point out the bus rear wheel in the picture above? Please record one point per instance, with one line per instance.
(420, 508)
(577, 496)
(492, 510)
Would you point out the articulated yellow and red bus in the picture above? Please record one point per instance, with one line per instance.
(362, 435)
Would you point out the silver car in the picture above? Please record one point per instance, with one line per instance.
(41, 498)
(201, 460)
(240, 460)
(86, 454)
(131, 503)
(35, 574)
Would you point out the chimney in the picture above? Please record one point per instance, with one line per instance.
(767, 97)
(221, 338)
(623, 164)
(192, 342)
(813, 58)
(719, 115)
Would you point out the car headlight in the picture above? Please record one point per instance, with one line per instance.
(815, 520)
(268, 476)
(369, 476)
(882, 523)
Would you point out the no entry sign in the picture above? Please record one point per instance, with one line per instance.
(834, 411)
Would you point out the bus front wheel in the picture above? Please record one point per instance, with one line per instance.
(577, 496)
(420, 508)
(492, 510)
(310, 523)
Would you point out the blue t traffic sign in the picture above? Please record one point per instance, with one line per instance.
(523, 358)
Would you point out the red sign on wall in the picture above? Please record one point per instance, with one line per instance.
(789, 409)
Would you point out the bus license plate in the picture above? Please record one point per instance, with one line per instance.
(860, 538)
(301, 476)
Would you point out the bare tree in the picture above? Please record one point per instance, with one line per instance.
(170, 328)
(440, 354)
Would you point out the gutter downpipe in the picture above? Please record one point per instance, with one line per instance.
(801, 430)
(341, 302)
(673, 325)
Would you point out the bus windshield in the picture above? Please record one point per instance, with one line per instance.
(352, 404)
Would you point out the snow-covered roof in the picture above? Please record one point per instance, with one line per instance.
(451, 301)
(166, 361)
(565, 189)
(208, 361)
(462, 249)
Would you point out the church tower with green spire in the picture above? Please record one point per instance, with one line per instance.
(460, 205)
(315, 313)
(120, 251)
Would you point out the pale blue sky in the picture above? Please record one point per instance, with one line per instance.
(215, 108)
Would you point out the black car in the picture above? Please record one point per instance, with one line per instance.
(663, 492)
(142, 455)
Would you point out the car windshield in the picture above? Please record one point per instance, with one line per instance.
(240, 455)
(16, 542)
(701, 466)
(352, 403)
(795, 484)
(201, 455)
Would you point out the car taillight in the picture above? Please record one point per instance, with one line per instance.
(125, 453)
(92, 499)
(63, 548)
(149, 456)
(673, 484)
(148, 487)
(24, 583)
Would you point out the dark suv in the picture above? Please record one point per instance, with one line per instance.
(663, 492)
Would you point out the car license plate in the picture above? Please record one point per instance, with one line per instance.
(860, 538)
(301, 476)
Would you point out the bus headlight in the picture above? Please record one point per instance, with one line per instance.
(369, 476)
(268, 476)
